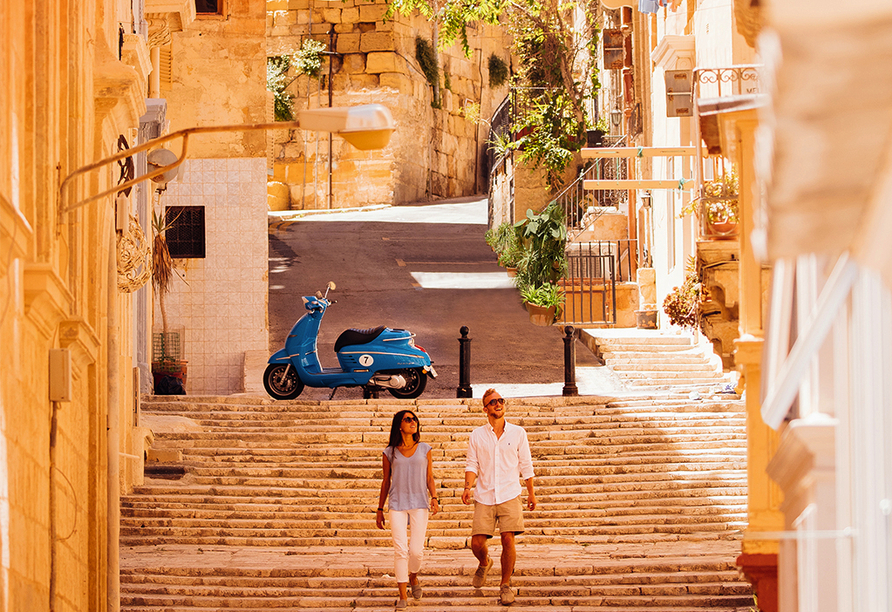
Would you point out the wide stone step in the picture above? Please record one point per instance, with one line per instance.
(648, 359)
(444, 542)
(636, 366)
(557, 505)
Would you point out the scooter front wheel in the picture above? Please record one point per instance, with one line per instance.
(282, 382)
(416, 381)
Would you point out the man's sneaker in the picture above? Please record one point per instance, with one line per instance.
(416, 590)
(506, 595)
(480, 574)
(401, 604)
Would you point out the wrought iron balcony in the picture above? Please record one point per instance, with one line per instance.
(719, 90)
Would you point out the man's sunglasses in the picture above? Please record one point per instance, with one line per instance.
(409, 419)
(493, 402)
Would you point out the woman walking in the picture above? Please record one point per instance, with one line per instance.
(408, 479)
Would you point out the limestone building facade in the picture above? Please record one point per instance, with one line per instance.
(74, 77)
(216, 69)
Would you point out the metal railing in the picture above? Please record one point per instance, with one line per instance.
(593, 270)
(581, 207)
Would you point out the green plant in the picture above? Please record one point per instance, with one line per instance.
(447, 81)
(549, 41)
(718, 201)
(544, 236)
(427, 60)
(308, 60)
(552, 133)
(545, 295)
(276, 75)
(498, 71)
(682, 304)
(501, 143)
(502, 236)
(489, 237)
(512, 255)
(601, 125)
(720, 198)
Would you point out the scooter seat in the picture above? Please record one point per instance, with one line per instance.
(357, 336)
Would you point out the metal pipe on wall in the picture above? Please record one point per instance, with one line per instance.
(113, 487)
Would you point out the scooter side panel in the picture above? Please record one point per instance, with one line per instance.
(279, 356)
(374, 358)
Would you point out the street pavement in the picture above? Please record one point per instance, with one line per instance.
(426, 268)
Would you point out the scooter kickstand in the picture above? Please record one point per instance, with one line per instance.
(332, 392)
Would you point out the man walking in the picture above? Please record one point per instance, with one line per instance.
(498, 457)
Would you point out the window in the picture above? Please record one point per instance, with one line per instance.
(209, 7)
(185, 231)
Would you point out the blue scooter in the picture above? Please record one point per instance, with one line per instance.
(370, 358)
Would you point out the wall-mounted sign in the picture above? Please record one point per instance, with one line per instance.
(679, 93)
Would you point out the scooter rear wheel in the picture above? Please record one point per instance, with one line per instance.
(282, 382)
(416, 381)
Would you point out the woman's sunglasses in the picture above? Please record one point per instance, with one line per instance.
(493, 402)
(409, 419)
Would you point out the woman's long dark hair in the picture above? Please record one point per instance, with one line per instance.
(396, 436)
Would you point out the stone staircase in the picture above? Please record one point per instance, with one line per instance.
(271, 506)
(655, 361)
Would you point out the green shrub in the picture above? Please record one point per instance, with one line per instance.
(498, 71)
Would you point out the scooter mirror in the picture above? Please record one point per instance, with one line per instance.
(331, 285)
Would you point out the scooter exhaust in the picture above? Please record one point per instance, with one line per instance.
(389, 381)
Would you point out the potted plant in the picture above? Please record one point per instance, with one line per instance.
(719, 206)
(167, 352)
(682, 304)
(595, 136)
(505, 242)
(542, 302)
(512, 256)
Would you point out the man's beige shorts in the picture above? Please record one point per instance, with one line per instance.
(508, 515)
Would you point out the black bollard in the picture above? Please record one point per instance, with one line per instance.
(570, 388)
(464, 364)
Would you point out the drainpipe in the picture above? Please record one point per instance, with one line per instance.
(113, 577)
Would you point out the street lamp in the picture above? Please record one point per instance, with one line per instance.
(366, 127)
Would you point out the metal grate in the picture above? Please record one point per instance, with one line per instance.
(166, 347)
(185, 231)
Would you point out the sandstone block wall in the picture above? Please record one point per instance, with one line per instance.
(434, 152)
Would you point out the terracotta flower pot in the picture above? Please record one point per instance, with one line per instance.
(541, 315)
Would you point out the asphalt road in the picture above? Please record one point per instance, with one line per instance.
(425, 268)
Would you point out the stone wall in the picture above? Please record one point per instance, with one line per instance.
(218, 76)
(434, 152)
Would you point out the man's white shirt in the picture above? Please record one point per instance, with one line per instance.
(499, 463)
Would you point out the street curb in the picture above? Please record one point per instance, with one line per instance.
(279, 216)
